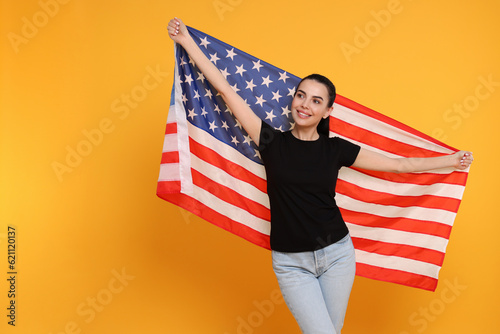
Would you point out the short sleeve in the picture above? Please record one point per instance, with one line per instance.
(348, 152)
(267, 135)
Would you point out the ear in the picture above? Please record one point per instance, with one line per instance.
(328, 112)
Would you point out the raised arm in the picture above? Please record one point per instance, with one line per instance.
(247, 118)
(374, 161)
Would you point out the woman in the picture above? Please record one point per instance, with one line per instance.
(313, 255)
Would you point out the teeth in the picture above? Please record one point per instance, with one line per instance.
(301, 113)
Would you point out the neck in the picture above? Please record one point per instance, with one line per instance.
(308, 134)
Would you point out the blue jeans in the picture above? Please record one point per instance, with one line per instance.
(316, 285)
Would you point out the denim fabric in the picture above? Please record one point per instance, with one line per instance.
(316, 285)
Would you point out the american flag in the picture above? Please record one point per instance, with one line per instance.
(400, 223)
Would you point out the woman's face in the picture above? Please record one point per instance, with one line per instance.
(310, 104)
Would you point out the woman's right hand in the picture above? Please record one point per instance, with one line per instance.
(177, 31)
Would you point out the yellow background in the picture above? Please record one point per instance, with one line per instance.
(70, 69)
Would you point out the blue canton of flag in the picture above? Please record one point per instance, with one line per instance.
(265, 88)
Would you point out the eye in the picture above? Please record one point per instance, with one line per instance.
(317, 101)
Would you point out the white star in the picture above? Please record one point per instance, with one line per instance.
(240, 70)
(184, 98)
(230, 54)
(276, 96)
(237, 124)
(260, 100)
(291, 92)
(270, 115)
(257, 153)
(204, 112)
(204, 42)
(201, 77)
(217, 109)
(213, 126)
(250, 85)
(283, 77)
(183, 62)
(235, 88)
(235, 140)
(225, 73)
(257, 65)
(266, 81)
(286, 111)
(247, 140)
(192, 114)
(188, 79)
(224, 125)
(191, 61)
(214, 58)
(209, 93)
(196, 95)
(280, 128)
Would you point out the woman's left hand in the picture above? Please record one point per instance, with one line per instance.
(463, 159)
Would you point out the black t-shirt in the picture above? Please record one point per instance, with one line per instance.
(301, 180)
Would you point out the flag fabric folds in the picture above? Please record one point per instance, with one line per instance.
(400, 224)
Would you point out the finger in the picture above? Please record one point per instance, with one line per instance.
(466, 160)
(172, 31)
(174, 24)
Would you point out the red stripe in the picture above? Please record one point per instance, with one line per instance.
(396, 276)
(375, 197)
(230, 196)
(398, 224)
(378, 141)
(170, 157)
(167, 187)
(217, 219)
(400, 250)
(210, 156)
(171, 128)
(378, 116)
(424, 179)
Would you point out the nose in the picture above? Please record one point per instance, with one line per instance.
(305, 104)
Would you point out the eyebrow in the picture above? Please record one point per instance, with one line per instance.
(318, 97)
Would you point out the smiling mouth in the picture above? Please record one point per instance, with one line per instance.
(302, 114)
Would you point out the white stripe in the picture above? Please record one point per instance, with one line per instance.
(222, 177)
(233, 212)
(170, 143)
(169, 172)
(374, 125)
(435, 215)
(226, 151)
(398, 188)
(398, 263)
(182, 136)
(398, 237)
